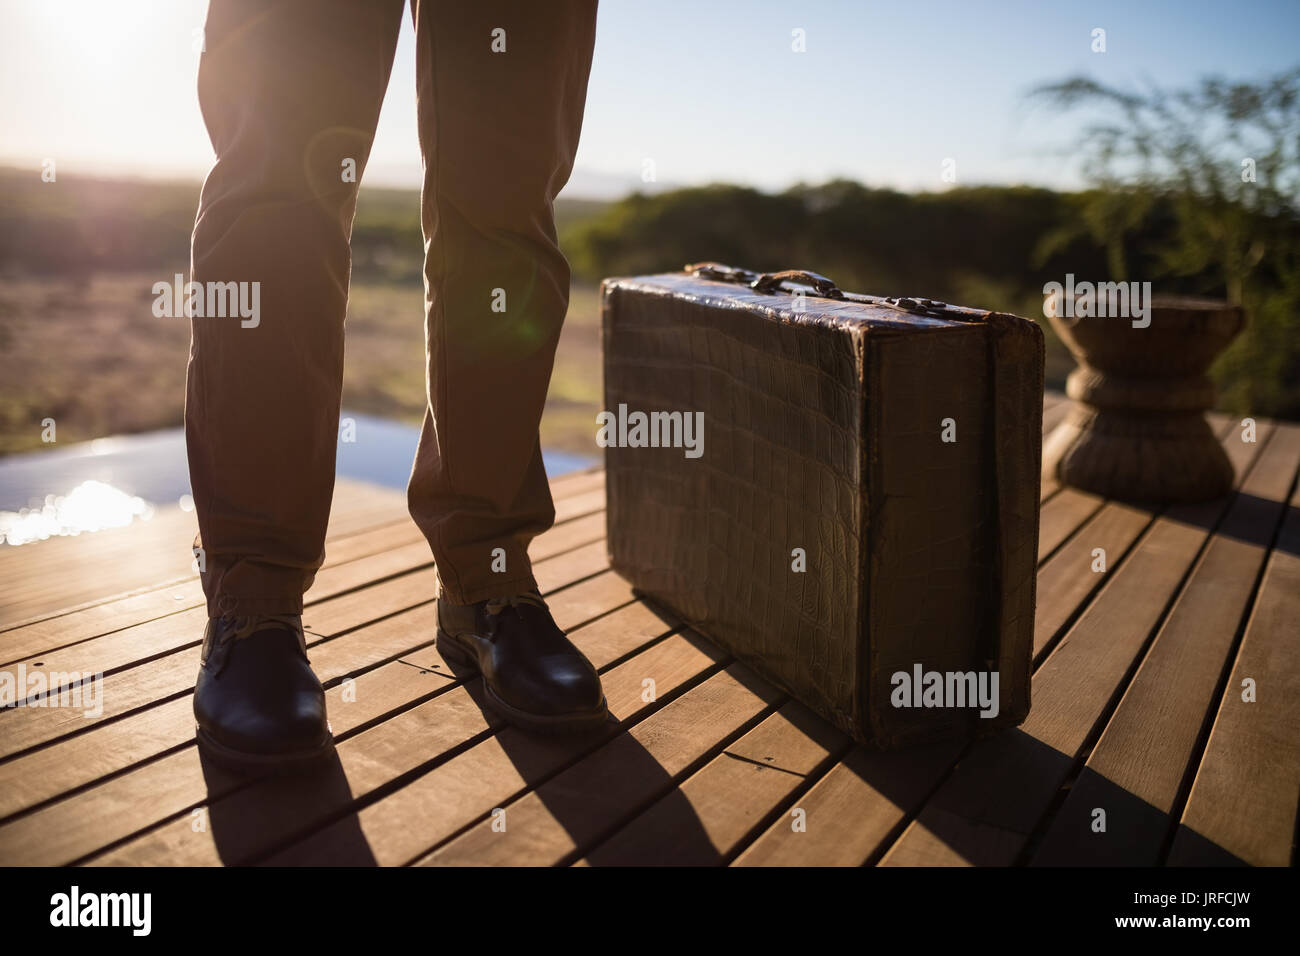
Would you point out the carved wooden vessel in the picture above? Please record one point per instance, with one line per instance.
(1137, 428)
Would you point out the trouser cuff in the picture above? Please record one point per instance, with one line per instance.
(494, 589)
(221, 605)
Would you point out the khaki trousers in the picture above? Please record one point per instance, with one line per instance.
(290, 91)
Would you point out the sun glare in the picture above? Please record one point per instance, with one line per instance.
(91, 506)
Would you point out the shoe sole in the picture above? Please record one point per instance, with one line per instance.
(247, 763)
(547, 724)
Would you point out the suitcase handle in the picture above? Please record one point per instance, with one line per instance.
(767, 283)
(770, 282)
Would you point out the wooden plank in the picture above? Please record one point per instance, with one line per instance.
(392, 550)
(597, 595)
(44, 578)
(358, 505)
(336, 577)
(1242, 805)
(142, 765)
(122, 693)
(436, 805)
(1061, 516)
(138, 684)
(555, 822)
(1055, 405)
(1068, 580)
(376, 520)
(732, 796)
(1053, 417)
(864, 799)
(77, 761)
(852, 810)
(578, 482)
(361, 590)
(984, 813)
(97, 619)
(580, 505)
(76, 826)
(251, 822)
(1136, 769)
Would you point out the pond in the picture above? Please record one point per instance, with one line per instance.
(110, 482)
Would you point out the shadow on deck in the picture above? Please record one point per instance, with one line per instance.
(1138, 711)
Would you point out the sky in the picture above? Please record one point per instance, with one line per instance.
(709, 91)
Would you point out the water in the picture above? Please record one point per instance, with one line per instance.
(110, 482)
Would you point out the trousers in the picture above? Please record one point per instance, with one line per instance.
(290, 92)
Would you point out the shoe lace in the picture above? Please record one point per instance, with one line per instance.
(246, 625)
(242, 626)
(532, 598)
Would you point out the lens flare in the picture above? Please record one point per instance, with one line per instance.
(91, 506)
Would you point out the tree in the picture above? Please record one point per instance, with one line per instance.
(1222, 159)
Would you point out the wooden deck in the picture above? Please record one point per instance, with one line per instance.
(1137, 710)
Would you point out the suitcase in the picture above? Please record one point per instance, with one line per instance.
(841, 490)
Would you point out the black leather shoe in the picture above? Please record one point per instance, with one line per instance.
(533, 676)
(257, 703)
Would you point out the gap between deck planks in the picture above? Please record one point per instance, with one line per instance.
(1241, 807)
(973, 815)
(385, 641)
(579, 537)
(703, 766)
(1136, 770)
(149, 733)
(989, 808)
(51, 577)
(364, 519)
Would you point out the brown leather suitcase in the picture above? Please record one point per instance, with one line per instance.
(847, 497)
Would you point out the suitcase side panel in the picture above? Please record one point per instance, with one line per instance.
(931, 525)
(1017, 356)
(975, 507)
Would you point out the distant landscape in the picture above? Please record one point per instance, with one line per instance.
(78, 259)
(80, 344)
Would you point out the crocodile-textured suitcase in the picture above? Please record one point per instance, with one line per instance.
(839, 489)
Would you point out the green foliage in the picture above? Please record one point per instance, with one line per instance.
(1169, 204)
(76, 226)
(1209, 177)
(871, 240)
(978, 246)
(648, 234)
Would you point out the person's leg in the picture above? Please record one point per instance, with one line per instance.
(502, 86)
(290, 91)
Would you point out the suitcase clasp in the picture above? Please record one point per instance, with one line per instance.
(931, 308)
(769, 283)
